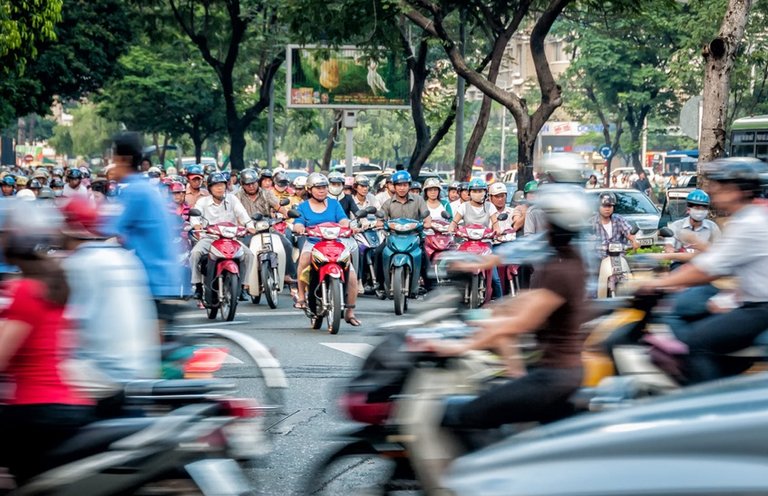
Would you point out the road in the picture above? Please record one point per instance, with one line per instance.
(317, 365)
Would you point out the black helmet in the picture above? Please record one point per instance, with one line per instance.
(464, 186)
(249, 176)
(57, 183)
(743, 172)
(608, 199)
(74, 174)
(416, 185)
(34, 184)
(216, 178)
(266, 173)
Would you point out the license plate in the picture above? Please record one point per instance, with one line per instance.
(645, 241)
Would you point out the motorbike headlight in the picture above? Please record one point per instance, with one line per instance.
(615, 247)
(402, 227)
(228, 232)
(261, 225)
(475, 234)
(330, 232)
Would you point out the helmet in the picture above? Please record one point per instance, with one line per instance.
(30, 229)
(210, 169)
(316, 179)
(81, 219)
(22, 181)
(477, 183)
(336, 177)
(453, 185)
(74, 174)
(562, 168)
(57, 183)
(227, 175)
(349, 182)
(518, 197)
(530, 186)
(216, 178)
(46, 193)
(100, 186)
(26, 194)
(9, 181)
(57, 171)
(281, 179)
(40, 173)
(300, 182)
(266, 173)
(85, 171)
(497, 189)
(431, 182)
(195, 170)
(416, 185)
(34, 184)
(565, 206)
(171, 171)
(176, 187)
(401, 177)
(742, 171)
(361, 180)
(608, 199)
(248, 176)
(698, 197)
(154, 170)
(463, 186)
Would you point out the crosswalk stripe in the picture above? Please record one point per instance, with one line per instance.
(360, 350)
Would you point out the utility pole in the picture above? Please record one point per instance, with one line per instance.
(271, 124)
(460, 87)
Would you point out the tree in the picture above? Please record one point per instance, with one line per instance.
(719, 57)
(88, 136)
(23, 27)
(431, 17)
(244, 42)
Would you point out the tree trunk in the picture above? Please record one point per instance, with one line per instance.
(417, 63)
(161, 151)
(197, 140)
(525, 146)
(719, 57)
(332, 133)
(236, 147)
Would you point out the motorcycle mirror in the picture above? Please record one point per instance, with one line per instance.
(193, 212)
(503, 216)
(380, 214)
(445, 215)
(363, 212)
(634, 228)
(293, 213)
(370, 210)
(666, 232)
(257, 217)
(284, 202)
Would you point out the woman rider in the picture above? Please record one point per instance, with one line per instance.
(316, 210)
(434, 203)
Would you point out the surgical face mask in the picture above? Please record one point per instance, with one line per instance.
(477, 196)
(335, 189)
(58, 192)
(698, 214)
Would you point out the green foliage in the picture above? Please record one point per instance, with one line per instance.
(88, 136)
(23, 27)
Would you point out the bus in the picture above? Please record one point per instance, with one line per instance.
(749, 137)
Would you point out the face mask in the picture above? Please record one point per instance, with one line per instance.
(477, 196)
(335, 189)
(58, 192)
(154, 181)
(698, 214)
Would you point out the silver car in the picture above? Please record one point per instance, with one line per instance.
(635, 207)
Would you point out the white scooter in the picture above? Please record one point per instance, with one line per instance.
(268, 272)
(614, 268)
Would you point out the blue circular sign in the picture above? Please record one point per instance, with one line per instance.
(605, 151)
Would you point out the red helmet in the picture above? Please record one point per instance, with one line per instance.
(81, 219)
(176, 187)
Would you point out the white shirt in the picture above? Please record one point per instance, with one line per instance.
(708, 232)
(370, 201)
(382, 197)
(229, 210)
(112, 306)
(474, 215)
(435, 212)
(81, 190)
(741, 251)
(505, 224)
(455, 206)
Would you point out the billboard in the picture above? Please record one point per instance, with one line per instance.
(346, 77)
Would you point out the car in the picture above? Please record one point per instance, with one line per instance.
(635, 207)
(187, 161)
(675, 205)
(294, 173)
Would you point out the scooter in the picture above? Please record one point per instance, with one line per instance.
(368, 239)
(510, 284)
(328, 271)
(268, 271)
(437, 240)
(477, 242)
(401, 259)
(614, 269)
(221, 269)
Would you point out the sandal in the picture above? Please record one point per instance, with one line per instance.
(299, 304)
(353, 321)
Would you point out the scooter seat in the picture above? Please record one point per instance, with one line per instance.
(177, 387)
(93, 439)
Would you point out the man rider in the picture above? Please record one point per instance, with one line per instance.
(8, 186)
(195, 189)
(497, 193)
(741, 252)
(218, 208)
(362, 196)
(74, 186)
(609, 227)
(694, 232)
(336, 191)
(534, 218)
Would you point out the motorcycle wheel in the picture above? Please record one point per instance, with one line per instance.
(474, 291)
(398, 290)
(255, 299)
(231, 292)
(211, 311)
(268, 283)
(335, 303)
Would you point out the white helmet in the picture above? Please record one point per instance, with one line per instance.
(26, 194)
(316, 179)
(300, 182)
(496, 189)
(565, 206)
(431, 182)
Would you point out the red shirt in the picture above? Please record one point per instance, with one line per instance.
(34, 369)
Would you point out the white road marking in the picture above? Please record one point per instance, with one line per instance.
(198, 326)
(268, 313)
(360, 350)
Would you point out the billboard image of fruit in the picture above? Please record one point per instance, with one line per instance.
(346, 77)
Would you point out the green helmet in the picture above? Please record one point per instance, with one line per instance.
(530, 186)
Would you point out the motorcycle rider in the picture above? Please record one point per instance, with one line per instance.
(435, 204)
(319, 208)
(741, 251)
(416, 188)
(362, 196)
(609, 227)
(476, 210)
(218, 208)
(453, 192)
(460, 188)
(57, 185)
(195, 189)
(8, 186)
(336, 191)
(299, 190)
(693, 233)
(534, 218)
(35, 186)
(21, 182)
(265, 180)
(75, 186)
(180, 207)
(281, 183)
(388, 192)
(497, 193)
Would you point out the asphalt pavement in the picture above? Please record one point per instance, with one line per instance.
(317, 365)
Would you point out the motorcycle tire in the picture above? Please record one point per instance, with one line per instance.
(398, 290)
(268, 283)
(335, 305)
(231, 290)
(316, 322)
(211, 312)
(255, 299)
(474, 291)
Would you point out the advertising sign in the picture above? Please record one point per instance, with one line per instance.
(346, 77)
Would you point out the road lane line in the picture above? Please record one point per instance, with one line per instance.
(360, 350)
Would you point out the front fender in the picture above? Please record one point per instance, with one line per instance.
(331, 270)
(400, 260)
(228, 265)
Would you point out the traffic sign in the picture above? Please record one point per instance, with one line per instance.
(606, 152)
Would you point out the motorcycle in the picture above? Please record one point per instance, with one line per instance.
(477, 242)
(368, 239)
(221, 269)
(401, 259)
(437, 240)
(510, 284)
(614, 268)
(268, 271)
(328, 270)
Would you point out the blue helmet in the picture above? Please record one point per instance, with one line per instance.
(698, 197)
(9, 180)
(216, 178)
(227, 175)
(401, 177)
(195, 170)
(477, 183)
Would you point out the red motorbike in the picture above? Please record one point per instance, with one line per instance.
(477, 240)
(437, 240)
(510, 285)
(328, 272)
(221, 270)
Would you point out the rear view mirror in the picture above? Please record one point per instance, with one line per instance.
(257, 217)
(445, 215)
(193, 212)
(293, 214)
(284, 202)
(380, 214)
(633, 228)
(503, 216)
(363, 212)
(371, 210)
(666, 232)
